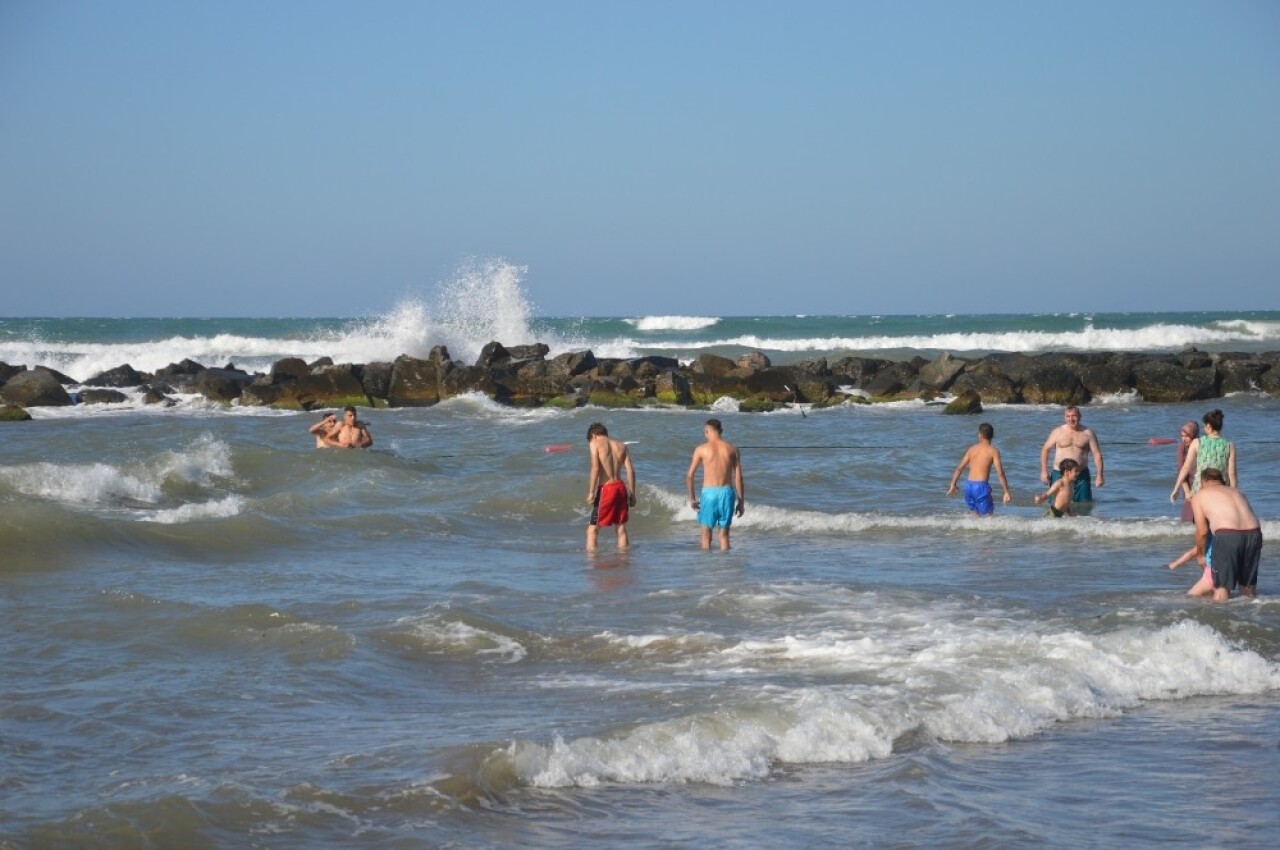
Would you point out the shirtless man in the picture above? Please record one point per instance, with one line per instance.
(981, 458)
(1072, 441)
(608, 496)
(1224, 513)
(348, 434)
(724, 493)
(324, 428)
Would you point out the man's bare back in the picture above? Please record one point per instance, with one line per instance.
(609, 459)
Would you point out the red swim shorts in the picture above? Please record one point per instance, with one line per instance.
(611, 504)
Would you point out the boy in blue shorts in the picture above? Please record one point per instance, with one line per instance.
(723, 490)
(980, 458)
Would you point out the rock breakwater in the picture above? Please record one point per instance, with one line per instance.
(526, 376)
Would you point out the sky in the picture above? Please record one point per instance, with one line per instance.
(638, 158)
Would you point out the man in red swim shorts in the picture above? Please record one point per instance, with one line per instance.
(608, 496)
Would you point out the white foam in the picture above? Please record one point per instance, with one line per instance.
(1157, 337)
(105, 485)
(767, 517)
(672, 323)
(453, 637)
(974, 681)
(216, 509)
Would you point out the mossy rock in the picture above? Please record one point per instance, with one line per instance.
(612, 400)
(563, 402)
(757, 405)
(13, 413)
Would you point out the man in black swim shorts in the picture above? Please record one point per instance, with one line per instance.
(1225, 513)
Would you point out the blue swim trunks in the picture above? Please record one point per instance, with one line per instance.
(715, 507)
(1082, 490)
(977, 495)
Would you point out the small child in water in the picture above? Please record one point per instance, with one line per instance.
(1060, 490)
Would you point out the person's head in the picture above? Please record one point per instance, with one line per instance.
(1213, 420)
(349, 414)
(596, 429)
(1190, 431)
(985, 431)
(1209, 473)
(1069, 469)
(1071, 416)
(712, 426)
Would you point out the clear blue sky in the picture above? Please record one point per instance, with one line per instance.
(313, 158)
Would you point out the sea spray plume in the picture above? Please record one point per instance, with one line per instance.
(484, 301)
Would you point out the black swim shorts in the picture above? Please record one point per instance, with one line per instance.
(1235, 557)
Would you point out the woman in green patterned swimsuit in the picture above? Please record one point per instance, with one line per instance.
(1207, 451)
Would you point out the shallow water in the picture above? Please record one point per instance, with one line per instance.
(221, 637)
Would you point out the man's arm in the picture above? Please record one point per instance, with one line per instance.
(363, 438)
(955, 476)
(1202, 529)
(593, 478)
(688, 476)
(739, 483)
(1096, 450)
(631, 477)
(1004, 483)
(1044, 457)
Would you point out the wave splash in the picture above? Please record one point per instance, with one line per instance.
(141, 488)
(965, 682)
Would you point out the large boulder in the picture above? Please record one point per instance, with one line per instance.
(535, 381)
(323, 386)
(376, 378)
(753, 361)
(1110, 375)
(1240, 373)
(414, 382)
(1167, 380)
(712, 366)
(939, 374)
(652, 366)
(101, 396)
(1053, 383)
(536, 351)
(493, 354)
(289, 368)
(223, 385)
(991, 385)
(892, 379)
(7, 371)
(121, 376)
(671, 387)
(966, 403)
(13, 413)
(857, 371)
(180, 377)
(38, 387)
(573, 363)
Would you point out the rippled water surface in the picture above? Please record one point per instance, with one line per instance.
(218, 636)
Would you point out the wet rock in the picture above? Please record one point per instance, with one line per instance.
(536, 351)
(966, 403)
(121, 376)
(101, 396)
(857, 371)
(153, 395)
(289, 368)
(1108, 375)
(222, 385)
(376, 379)
(1168, 381)
(1240, 373)
(712, 366)
(891, 379)
(7, 371)
(13, 413)
(670, 387)
(180, 376)
(414, 382)
(939, 374)
(38, 387)
(991, 385)
(752, 361)
(573, 363)
(1053, 383)
(320, 362)
(493, 354)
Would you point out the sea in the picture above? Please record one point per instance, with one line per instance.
(217, 636)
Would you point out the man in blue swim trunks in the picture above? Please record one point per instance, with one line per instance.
(724, 492)
(981, 457)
